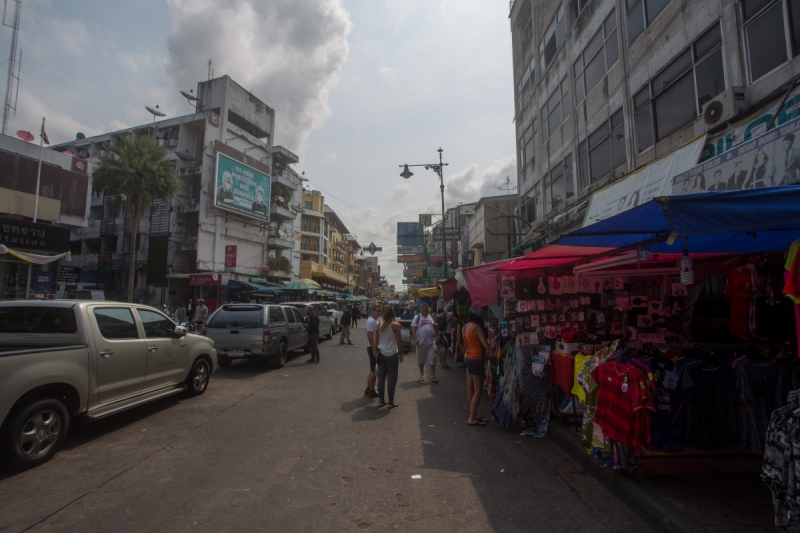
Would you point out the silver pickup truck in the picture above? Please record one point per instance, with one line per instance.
(62, 359)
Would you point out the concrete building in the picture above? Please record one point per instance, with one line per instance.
(604, 87)
(488, 239)
(191, 245)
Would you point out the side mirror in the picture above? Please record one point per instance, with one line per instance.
(180, 331)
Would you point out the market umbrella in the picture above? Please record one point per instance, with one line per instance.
(313, 284)
(300, 286)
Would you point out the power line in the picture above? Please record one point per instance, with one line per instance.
(59, 99)
(125, 119)
(136, 107)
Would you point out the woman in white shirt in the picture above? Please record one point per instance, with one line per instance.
(390, 355)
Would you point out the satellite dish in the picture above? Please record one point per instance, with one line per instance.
(155, 111)
(25, 135)
(190, 95)
(80, 135)
(184, 156)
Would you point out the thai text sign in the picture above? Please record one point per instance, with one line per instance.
(449, 233)
(230, 256)
(241, 189)
(415, 272)
(435, 272)
(419, 258)
(203, 280)
(16, 234)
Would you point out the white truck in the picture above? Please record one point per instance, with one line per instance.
(62, 359)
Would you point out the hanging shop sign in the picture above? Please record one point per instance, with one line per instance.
(230, 256)
(241, 189)
(435, 273)
(449, 233)
(35, 237)
(411, 249)
(425, 220)
(205, 280)
(770, 159)
(418, 258)
(68, 274)
(415, 272)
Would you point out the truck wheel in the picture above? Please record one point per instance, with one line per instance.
(197, 381)
(224, 361)
(281, 355)
(34, 433)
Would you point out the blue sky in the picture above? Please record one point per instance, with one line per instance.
(360, 87)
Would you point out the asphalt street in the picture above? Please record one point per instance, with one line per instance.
(301, 449)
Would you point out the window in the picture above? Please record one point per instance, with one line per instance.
(240, 316)
(290, 315)
(556, 110)
(116, 324)
(37, 320)
(526, 151)
(307, 241)
(597, 58)
(602, 151)
(530, 211)
(306, 258)
(276, 315)
(558, 184)
(675, 96)
(156, 325)
(554, 36)
(306, 223)
(642, 13)
(577, 7)
(308, 204)
(768, 45)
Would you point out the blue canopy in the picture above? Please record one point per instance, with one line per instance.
(749, 221)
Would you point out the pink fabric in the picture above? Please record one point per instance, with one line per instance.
(479, 278)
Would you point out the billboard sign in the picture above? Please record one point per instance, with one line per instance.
(772, 158)
(466, 210)
(425, 220)
(241, 189)
(449, 233)
(230, 256)
(435, 272)
(68, 274)
(420, 258)
(410, 234)
(411, 249)
(415, 272)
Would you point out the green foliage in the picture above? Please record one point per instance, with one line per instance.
(279, 189)
(281, 263)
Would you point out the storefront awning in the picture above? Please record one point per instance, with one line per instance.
(749, 221)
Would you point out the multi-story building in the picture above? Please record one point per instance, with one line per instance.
(490, 228)
(192, 244)
(64, 199)
(605, 87)
(352, 265)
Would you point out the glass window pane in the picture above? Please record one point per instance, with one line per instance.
(644, 128)
(612, 50)
(594, 45)
(116, 323)
(561, 32)
(674, 70)
(618, 156)
(675, 107)
(710, 78)
(617, 118)
(707, 42)
(583, 173)
(751, 7)
(552, 102)
(549, 50)
(554, 120)
(654, 8)
(558, 191)
(600, 134)
(595, 71)
(566, 105)
(600, 159)
(794, 15)
(579, 89)
(577, 67)
(289, 315)
(545, 129)
(276, 315)
(156, 325)
(610, 23)
(34, 320)
(766, 42)
(529, 150)
(635, 21)
(641, 99)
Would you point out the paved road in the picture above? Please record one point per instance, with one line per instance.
(301, 449)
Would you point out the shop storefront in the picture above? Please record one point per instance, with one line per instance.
(29, 258)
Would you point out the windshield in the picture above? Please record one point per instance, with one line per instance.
(240, 316)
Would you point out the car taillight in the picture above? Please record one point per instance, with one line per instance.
(267, 337)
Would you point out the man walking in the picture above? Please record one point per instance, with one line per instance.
(190, 310)
(201, 313)
(312, 327)
(346, 319)
(424, 330)
(372, 349)
(355, 315)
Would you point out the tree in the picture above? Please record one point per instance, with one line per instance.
(138, 172)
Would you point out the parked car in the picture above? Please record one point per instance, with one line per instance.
(253, 331)
(62, 359)
(336, 314)
(326, 326)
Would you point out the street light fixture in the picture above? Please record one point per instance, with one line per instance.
(436, 167)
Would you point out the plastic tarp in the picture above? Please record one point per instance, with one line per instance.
(552, 256)
(477, 280)
(735, 222)
(449, 288)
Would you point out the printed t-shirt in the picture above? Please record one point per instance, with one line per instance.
(563, 371)
(577, 390)
(425, 326)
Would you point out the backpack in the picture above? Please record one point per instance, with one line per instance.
(441, 322)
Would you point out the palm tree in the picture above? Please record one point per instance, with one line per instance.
(138, 172)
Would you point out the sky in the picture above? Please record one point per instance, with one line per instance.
(359, 88)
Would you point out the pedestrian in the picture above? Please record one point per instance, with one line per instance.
(476, 347)
(372, 349)
(424, 330)
(355, 315)
(312, 327)
(190, 307)
(445, 322)
(201, 313)
(407, 314)
(390, 355)
(346, 320)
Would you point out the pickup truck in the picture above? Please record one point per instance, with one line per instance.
(252, 331)
(63, 359)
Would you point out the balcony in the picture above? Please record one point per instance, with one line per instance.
(188, 205)
(312, 230)
(280, 239)
(321, 273)
(310, 248)
(285, 177)
(278, 213)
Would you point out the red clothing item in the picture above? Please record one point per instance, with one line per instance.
(739, 293)
(624, 404)
(563, 371)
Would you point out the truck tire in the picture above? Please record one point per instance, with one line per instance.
(281, 360)
(35, 431)
(197, 382)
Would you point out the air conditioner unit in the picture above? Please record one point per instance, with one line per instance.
(724, 106)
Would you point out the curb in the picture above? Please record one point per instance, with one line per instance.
(659, 512)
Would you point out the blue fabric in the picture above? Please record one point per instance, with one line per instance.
(755, 220)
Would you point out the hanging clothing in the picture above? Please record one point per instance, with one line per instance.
(577, 390)
(709, 389)
(563, 371)
(739, 294)
(781, 468)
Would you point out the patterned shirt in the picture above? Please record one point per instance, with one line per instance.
(623, 392)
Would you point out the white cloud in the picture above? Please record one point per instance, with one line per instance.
(465, 186)
(332, 157)
(399, 192)
(289, 53)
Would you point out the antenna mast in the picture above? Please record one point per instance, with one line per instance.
(12, 60)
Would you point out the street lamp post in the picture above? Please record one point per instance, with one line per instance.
(436, 167)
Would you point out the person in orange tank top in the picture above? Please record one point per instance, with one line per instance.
(476, 347)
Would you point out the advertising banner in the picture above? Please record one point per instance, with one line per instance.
(411, 258)
(449, 233)
(435, 273)
(425, 220)
(241, 189)
(410, 234)
(466, 210)
(230, 256)
(415, 272)
(772, 158)
(21, 235)
(643, 185)
(205, 280)
(411, 249)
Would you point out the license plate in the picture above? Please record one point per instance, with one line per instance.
(235, 353)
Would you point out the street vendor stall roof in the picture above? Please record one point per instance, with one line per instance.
(749, 221)
(551, 256)
(427, 293)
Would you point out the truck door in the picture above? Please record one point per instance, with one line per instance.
(121, 353)
(167, 355)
